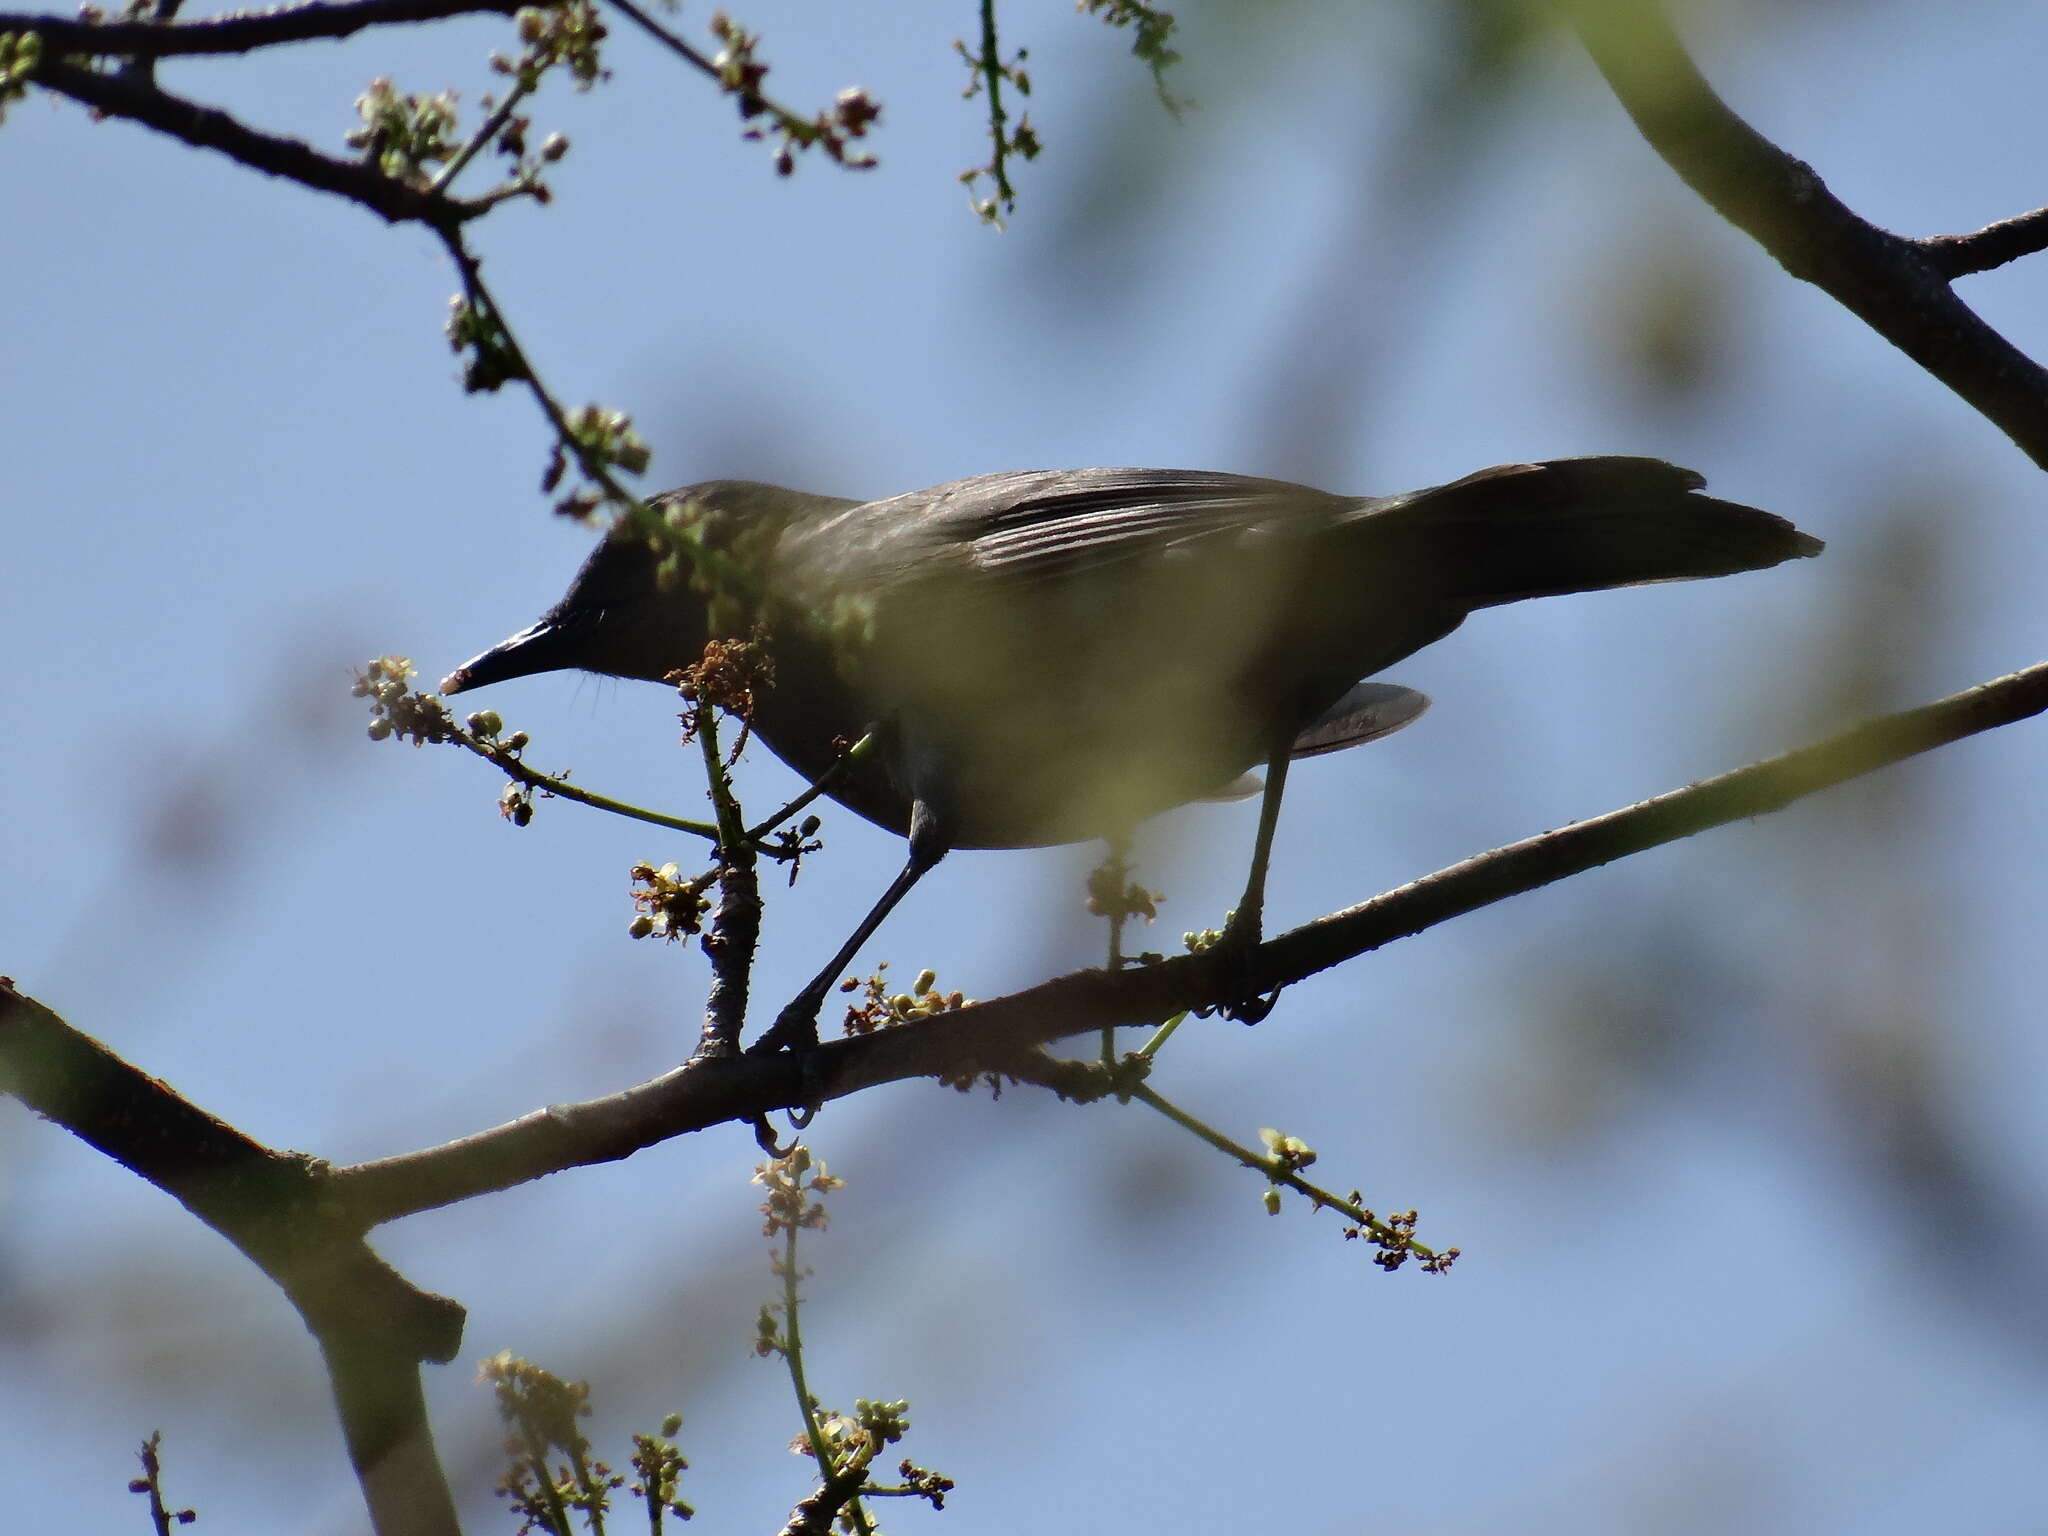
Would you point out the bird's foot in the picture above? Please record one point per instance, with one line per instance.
(794, 1029)
(1250, 1007)
(1243, 930)
(1233, 947)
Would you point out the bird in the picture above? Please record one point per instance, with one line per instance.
(1052, 656)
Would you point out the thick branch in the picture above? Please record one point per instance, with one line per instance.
(1895, 285)
(734, 935)
(816, 1513)
(140, 100)
(374, 1326)
(271, 1205)
(390, 1442)
(238, 31)
(997, 1034)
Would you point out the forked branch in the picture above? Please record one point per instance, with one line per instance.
(1896, 285)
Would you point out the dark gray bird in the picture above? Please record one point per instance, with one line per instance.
(1052, 656)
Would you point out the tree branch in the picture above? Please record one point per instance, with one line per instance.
(302, 1223)
(997, 1035)
(1895, 285)
(374, 1326)
(140, 100)
(2024, 234)
(237, 31)
(383, 1410)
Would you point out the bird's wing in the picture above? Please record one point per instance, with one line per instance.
(1031, 524)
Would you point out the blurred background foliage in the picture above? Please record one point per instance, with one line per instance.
(1741, 1138)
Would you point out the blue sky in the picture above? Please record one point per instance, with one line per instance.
(1741, 1138)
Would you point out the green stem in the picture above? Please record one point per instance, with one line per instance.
(537, 1458)
(819, 785)
(562, 789)
(992, 76)
(793, 1356)
(593, 1495)
(1277, 1171)
(1161, 1035)
(731, 830)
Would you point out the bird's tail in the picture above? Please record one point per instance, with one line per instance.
(1576, 525)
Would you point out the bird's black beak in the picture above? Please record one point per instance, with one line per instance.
(540, 647)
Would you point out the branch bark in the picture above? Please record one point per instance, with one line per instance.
(998, 1034)
(139, 99)
(374, 1326)
(1897, 286)
(302, 1224)
(237, 31)
(1994, 245)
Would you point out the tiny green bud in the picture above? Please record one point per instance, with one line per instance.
(1271, 1200)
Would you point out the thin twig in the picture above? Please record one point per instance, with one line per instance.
(2024, 234)
(818, 786)
(480, 297)
(500, 116)
(990, 62)
(681, 47)
(560, 788)
(1277, 1170)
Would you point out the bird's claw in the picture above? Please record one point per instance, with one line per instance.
(1247, 1004)
(794, 1029)
(1252, 1010)
(809, 1067)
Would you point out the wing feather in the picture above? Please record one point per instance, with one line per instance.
(1032, 524)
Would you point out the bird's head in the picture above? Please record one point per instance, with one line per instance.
(613, 619)
(656, 587)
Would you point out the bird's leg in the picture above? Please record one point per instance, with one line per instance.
(1242, 933)
(796, 1026)
(1247, 923)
